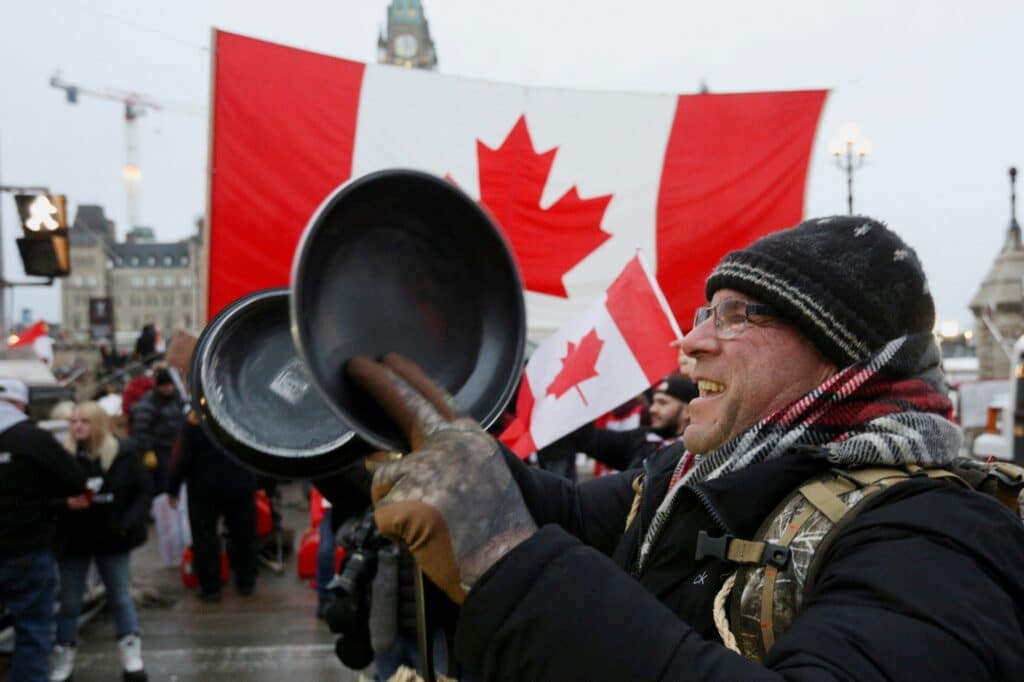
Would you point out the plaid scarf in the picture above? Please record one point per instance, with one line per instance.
(887, 410)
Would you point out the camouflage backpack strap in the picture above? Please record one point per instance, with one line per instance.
(638, 495)
(767, 591)
(1002, 480)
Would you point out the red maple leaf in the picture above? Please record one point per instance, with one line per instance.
(578, 365)
(547, 242)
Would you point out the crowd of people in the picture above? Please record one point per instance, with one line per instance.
(791, 504)
(87, 501)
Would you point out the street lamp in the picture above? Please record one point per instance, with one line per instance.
(849, 150)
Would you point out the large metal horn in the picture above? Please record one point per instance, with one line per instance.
(400, 260)
(254, 395)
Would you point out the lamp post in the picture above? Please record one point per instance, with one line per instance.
(849, 150)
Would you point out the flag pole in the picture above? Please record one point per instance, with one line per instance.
(423, 635)
(662, 301)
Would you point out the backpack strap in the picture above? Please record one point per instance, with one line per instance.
(872, 480)
(638, 495)
(824, 502)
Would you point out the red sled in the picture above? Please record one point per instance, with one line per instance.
(188, 571)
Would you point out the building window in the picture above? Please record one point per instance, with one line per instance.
(90, 281)
(169, 299)
(169, 280)
(186, 280)
(151, 281)
(184, 260)
(152, 300)
(135, 260)
(188, 321)
(136, 281)
(151, 260)
(186, 299)
(110, 264)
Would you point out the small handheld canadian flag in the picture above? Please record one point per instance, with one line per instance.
(600, 359)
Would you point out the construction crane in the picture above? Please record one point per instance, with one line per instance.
(135, 106)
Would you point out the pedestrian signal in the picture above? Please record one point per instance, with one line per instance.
(44, 249)
(42, 213)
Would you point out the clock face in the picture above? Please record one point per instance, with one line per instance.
(405, 45)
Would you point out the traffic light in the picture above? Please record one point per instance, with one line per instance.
(42, 213)
(44, 249)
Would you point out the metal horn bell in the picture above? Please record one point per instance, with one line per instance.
(403, 261)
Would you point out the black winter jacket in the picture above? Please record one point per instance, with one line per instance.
(620, 450)
(155, 422)
(116, 521)
(37, 475)
(925, 584)
(207, 469)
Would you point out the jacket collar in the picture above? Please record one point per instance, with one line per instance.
(744, 498)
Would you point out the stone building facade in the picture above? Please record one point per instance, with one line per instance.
(148, 281)
(999, 302)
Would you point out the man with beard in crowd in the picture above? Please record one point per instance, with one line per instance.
(816, 362)
(670, 415)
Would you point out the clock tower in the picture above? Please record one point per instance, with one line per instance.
(407, 40)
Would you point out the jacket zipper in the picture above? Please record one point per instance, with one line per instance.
(705, 502)
(710, 509)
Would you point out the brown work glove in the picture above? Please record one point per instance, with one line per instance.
(452, 500)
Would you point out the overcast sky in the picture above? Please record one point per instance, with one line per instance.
(935, 85)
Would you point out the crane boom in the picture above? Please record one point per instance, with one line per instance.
(135, 105)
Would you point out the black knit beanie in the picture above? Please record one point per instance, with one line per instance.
(678, 387)
(847, 282)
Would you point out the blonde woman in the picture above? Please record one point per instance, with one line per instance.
(104, 526)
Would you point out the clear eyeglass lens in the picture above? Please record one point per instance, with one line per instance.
(732, 318)
(702, 315)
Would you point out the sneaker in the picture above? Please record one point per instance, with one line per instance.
(131, 658)
(62, 663)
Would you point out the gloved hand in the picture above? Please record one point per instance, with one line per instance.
(452, 500)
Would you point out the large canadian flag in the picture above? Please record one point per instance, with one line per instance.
(600, 359)
(578, 180)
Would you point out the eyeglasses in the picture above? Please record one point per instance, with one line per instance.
(731, 316)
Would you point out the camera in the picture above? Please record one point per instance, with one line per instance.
(349, 613)
(361, 543)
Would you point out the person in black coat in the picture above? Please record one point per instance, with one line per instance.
(218, 487)
(814, 354)
(36, 476)
(155, 421)
(622, 450)
(102, 526)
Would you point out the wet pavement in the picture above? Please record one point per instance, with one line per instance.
(270, 635)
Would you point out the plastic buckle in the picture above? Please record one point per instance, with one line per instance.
(713, 547)
(775, 555)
